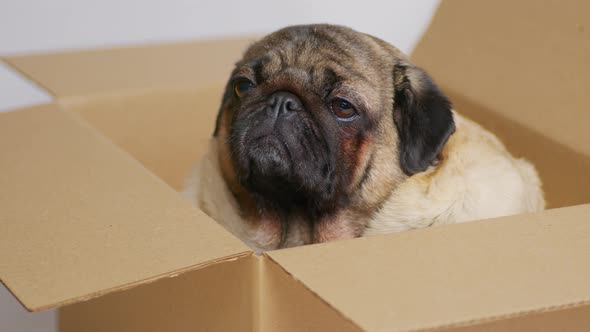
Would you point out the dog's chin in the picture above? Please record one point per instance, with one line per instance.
(265, 166)
(268, 157)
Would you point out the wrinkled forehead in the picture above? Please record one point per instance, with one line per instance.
(318, 55)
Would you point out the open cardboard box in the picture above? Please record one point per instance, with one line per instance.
(90, 220)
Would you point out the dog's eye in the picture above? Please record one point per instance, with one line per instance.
(242, 86)
(343, 109)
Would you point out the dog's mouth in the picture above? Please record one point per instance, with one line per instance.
(268, 151)
(265, 158)
(271, 142)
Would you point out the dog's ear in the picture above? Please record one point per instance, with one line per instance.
(423, 117)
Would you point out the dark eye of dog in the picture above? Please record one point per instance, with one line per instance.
(242, 86)
(343, 109)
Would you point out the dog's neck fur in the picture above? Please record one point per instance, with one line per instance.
(297, 225)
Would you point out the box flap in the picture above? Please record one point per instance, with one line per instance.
(527, 60)
(452, 275)
(120, 70)
(79, 217)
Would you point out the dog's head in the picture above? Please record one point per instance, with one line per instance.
(321, 122)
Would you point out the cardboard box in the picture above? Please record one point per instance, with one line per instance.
(90, 220)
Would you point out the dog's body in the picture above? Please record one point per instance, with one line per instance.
(477, 179)
(325, 133)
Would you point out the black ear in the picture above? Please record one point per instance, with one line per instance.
(423, 117)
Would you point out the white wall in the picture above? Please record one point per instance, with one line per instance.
(49, 25)
(33, 25)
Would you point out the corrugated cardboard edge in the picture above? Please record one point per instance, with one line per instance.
(310, 290)
(216, 298)
(133, 284)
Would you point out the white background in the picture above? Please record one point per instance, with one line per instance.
(28, 26)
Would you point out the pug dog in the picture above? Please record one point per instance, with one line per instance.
(327, 133)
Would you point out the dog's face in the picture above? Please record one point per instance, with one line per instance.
(318, 125)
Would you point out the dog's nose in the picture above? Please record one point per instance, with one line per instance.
(284, 102)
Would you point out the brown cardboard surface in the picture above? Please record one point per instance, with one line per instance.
(250, 293)
(571, 320)
(152, 67)
(453, 275)
(527, 60)
(217, 298)
(80, 217)
(166, 131)
(287, 305)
